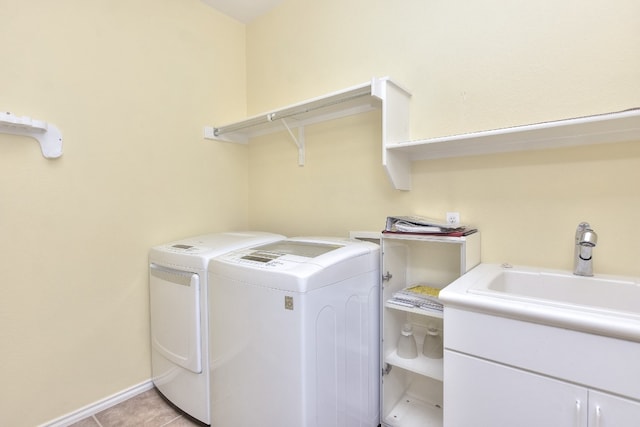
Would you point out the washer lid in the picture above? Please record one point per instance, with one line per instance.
(271, 251)
(299, 264)
(299, 256)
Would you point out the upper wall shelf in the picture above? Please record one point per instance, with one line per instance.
(398, 151)
(379, 93)
(45, 133)
(621, 126)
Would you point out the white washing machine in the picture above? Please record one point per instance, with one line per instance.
(179, 321)
(294, 329)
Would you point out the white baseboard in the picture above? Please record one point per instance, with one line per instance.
(101, 405)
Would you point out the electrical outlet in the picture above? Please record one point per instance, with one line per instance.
(453, 218)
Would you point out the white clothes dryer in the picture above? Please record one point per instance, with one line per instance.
(178, 292)
(294, 329)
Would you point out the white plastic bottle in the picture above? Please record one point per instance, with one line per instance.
(432, 346)
(407, 348)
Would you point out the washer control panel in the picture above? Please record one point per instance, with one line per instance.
(180, 248)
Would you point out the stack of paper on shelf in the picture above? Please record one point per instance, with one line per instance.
(424, 225)
(420, 296)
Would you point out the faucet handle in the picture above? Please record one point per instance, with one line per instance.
(585, 236)
(582, 227)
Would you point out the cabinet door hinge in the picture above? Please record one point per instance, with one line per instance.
(386, 369)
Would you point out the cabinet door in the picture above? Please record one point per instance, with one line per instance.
(480, 393)
(606, 410)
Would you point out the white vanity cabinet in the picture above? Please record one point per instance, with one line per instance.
(482, 393)
(507, 372)
(606, 410)
(411, 389)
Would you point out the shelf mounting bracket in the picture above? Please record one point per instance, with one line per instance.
(299, 141)
(46, 134)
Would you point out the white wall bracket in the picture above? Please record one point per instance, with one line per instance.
(46, 134)
(299, 141)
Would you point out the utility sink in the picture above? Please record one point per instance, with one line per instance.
(607, 305)
(615, 294)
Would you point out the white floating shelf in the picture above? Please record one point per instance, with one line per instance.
(623, 126)
(46, 134)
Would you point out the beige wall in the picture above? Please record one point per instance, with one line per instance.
(130, 85)
(471, 66)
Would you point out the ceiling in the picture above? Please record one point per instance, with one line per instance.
(244, 11)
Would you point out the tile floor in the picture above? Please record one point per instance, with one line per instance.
(148, 409)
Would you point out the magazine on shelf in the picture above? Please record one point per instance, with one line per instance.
(420, 296)
(424, 225)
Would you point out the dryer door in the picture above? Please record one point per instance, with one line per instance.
(175, 316)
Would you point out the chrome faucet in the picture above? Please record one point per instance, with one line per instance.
(586, 240)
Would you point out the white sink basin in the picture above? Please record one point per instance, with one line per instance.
(605, 305)
(564, 288)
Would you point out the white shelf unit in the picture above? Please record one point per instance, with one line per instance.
(379, 93)
(47, 135)
(623, 126)
(412, 389)
(398, 151)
